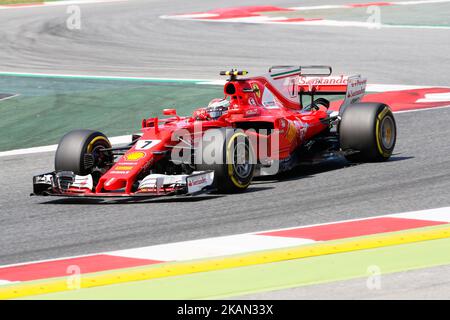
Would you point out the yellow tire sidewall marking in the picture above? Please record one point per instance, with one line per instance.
(91, 144)
(380, 117)
(230, 164)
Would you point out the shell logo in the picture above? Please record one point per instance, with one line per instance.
(134, 156)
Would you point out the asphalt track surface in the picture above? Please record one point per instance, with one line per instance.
(127, 38)
(413, 284)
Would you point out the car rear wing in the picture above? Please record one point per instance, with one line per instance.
(323, 71)
(294, 82)
(316, 83)
(356, 88)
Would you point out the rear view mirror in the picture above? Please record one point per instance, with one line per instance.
(169, 112)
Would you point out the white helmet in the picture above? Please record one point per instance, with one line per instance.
(217, 107)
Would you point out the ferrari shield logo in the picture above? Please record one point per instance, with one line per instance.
(256, 90)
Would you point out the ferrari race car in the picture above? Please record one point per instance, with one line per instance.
(263, 125)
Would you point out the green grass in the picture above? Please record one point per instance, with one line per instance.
(47, 108)
(3, 2)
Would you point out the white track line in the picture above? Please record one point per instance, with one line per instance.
(98, 77)
(370, 87)
(17, 152)
(324, 7)
(212, 247)
(407, 3)
(397, 87)
(359, 24)
(439, 214)
(423, 109)
(9, 97)
(113, 140)
(436, 97)
(314, 23)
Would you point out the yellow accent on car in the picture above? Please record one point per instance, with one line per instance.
(230, 162)
(256, 90)
(378, 133)
(133, 156)
(291, 132)
(235, 73)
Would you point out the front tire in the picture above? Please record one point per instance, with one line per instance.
(369, 129)
(234, 170)
(79, 151)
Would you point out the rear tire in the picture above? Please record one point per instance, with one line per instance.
(369, 128)
(235, 172)
(78, 151)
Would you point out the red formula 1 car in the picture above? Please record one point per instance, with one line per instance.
(264, 125)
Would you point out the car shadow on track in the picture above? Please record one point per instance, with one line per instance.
(304, 171)
(300, 172)
(309, 170)
(395, 158)
(93, 201)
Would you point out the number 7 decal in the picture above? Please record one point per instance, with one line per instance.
(146, 144)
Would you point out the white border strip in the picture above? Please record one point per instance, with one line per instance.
(312, 23)
(370, 87)
(98, 77)
(50, 148)
(435, 214)
(423, 109)
(9, 97)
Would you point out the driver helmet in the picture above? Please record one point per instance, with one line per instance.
(217, 107)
